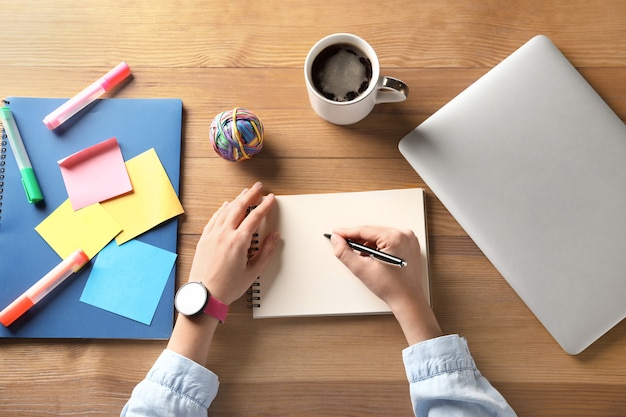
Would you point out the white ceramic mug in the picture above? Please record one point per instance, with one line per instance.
(381, 89)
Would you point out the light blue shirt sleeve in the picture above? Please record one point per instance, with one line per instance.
(443, 378)
(444, 381)
(175, 386)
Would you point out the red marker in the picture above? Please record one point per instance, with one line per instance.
(43, 287)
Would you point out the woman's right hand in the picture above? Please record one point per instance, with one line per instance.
(400, 288)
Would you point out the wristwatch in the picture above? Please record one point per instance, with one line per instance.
(194, 298)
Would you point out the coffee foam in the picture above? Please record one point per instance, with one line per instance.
(341, 73)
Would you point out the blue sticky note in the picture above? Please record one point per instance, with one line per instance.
(129, 280)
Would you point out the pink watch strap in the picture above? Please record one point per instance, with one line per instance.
(216, 308)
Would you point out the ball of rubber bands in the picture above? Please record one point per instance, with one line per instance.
(236, 134)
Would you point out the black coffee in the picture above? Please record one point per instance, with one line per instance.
(341, 72)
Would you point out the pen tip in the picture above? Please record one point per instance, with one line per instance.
(327, 235)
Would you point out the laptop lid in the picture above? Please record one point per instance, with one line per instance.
(532, 164)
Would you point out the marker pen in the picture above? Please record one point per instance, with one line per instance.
(29, 181)
(43, 287)
(88, 95)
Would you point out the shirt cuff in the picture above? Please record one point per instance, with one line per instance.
(186, 380)
(437, 356)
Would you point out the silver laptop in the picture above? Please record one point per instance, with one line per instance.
(532, 163)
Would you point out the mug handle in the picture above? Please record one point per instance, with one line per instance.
(391, 90)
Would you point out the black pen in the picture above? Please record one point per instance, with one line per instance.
(374, 253)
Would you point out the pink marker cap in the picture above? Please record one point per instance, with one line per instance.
(115, 76)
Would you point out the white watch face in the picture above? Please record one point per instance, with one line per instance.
(191, 298)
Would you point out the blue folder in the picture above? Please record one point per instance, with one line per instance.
(138, 125)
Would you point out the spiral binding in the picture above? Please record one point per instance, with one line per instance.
(254, 296)
(3, 155)
(3, 149)
(253, 293)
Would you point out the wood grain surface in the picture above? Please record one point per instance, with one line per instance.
(218, 55)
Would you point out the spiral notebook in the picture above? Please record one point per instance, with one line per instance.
(304, 278)
(139, 125)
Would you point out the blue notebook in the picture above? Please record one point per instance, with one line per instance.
(138, 125)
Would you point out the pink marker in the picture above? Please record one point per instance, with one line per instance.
(88, 95)
(43, 287)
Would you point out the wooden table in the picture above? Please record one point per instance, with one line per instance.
(218, 55)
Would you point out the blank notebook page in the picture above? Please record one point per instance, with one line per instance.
(304, 278)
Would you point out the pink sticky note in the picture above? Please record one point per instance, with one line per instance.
(95, 174)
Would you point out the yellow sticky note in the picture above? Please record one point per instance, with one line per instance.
(152, 201)
(90, 229)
